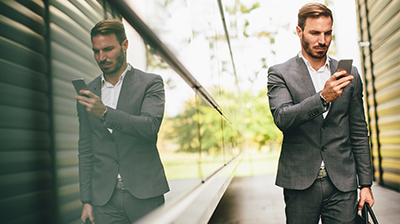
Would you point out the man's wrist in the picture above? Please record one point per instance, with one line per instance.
(86, 202)
(324, 103)
(365, 186)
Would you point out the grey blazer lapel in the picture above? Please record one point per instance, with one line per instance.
(127, 90)
(304, 77)
(96, 89)
(334, 65)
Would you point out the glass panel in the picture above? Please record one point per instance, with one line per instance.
(211, 139)
(193, 31)
(178, 142)
(194, 140)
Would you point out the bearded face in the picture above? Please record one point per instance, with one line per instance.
(110, 55)
(112, 66)
(316, 36)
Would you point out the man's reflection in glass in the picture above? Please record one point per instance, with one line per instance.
(120, 172)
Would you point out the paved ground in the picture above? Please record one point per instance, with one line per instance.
(256, 200)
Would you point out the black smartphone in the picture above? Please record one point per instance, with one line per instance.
(87, 221)
(345, 64)
(79, 84)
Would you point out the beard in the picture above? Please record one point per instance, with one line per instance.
(317, 54)
(119, 61)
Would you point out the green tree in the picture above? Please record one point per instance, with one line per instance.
(260, 127)
(199, 122)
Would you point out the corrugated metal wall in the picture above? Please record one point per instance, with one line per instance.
(43, 45)
(72, 57)
(26, 177)
(379, 28)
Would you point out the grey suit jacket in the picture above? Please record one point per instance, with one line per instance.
(131, 149)
(341, 139)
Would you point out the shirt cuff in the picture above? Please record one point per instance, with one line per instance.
(103, 117)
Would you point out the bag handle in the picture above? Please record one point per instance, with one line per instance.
(364, 213)
(368, 209)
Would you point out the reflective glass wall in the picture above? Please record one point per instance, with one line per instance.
(46, 43)
(196, 139)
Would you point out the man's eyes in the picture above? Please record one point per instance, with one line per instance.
(104, 50)
(108, 49)
(318, 33)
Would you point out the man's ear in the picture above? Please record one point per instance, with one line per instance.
(299, 31)
(125, 45)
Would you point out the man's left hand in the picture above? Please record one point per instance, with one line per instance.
(365, 196)
(92, 102)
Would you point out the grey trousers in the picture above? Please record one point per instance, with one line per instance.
(124, 208)
(321, 200)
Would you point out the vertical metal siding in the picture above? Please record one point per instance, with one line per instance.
(37, 108)
(72, 57)
(379, 23)
(25, 122)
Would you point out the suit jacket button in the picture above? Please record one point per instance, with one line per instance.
(115, 161)
(324, 126)
(323, 149)
(112, 140)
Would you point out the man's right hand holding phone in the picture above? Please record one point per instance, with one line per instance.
(92, 102)
(335, 85)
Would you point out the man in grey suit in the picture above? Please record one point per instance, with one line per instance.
(120, 172)
(325, 152)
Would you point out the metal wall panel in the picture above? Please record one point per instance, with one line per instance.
(72, 57)
(379, 26)
(26, 177)
(43, 46)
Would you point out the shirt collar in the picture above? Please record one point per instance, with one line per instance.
(327, 61)
(103, 80)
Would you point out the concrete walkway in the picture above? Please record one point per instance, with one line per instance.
(256, 200)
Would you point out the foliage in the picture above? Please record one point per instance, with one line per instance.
(183, 128)
(188, 128)
(245, 10)
(260, 127)
(199, 122)
(199, 126)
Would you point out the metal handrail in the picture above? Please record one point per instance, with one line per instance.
(164, 52)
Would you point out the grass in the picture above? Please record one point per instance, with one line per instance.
(190, 166)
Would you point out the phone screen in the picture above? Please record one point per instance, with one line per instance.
(79, 84)
(345, 64)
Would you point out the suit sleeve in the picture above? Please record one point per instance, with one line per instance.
(147, 124)
(85, 155)
(359, 133)
(288, 114)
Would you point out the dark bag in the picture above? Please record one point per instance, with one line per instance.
(363, 218)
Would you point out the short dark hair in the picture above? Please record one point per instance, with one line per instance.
(109, 26)
(313, 10)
